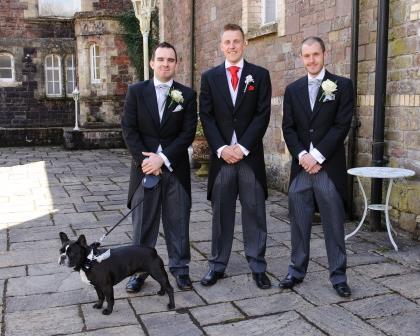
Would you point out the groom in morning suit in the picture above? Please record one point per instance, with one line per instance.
(317, 112)
(159, 122)
(235, 105)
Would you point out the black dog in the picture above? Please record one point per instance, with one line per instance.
(112, 266)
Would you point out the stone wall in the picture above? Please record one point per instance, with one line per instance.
(29, 39)
(276, 47)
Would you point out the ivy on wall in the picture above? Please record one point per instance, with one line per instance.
(134, 39)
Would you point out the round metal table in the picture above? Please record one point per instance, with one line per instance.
(383, 173)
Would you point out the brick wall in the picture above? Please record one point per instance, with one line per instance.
(331, 20)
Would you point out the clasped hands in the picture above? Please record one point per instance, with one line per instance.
(232, 154)
(152, 164)
(310, 165)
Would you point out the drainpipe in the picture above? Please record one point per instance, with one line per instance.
(355, 123)
(192, 44)
(378, 143)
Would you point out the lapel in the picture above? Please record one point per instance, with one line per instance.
(318, 105)
(222, 84)
(149, 95)
(168, 109)
(304, 94)
(241, 87)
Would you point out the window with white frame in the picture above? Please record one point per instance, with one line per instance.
(7, 68)
(95, 61)
(268, 11)
(70, 74)
(53, 75)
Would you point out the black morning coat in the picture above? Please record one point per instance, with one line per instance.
(326, 126)
(143, 132)
(249, 117)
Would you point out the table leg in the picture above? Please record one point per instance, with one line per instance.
(364, 211)
(388, 223)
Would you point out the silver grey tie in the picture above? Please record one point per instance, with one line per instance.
(161, 93)
(313, 87)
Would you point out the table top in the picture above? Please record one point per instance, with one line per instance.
(381, 172)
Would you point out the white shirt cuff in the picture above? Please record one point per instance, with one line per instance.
(317, 155)
(165, 161)
(219, 151)
(244, 150)
(302, 153)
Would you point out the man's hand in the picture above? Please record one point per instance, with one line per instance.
(307, 161)
(152, 164)
(315, 169)
(230, 155)
(238, 151)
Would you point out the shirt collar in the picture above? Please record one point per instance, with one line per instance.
(319, 76)
(157, 82)
(240, 64)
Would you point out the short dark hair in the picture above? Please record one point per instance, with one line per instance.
(164, 45)
(234, 27)
(313, 39)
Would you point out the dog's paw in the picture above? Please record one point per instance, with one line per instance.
(171, 306)
(161, 292)
(97, 305)
(106, 311)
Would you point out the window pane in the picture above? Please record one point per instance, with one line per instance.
(270, 11)
(49, 88)
(69, 61)
(55, 61)
(56, 87)
(56, 76)
(69, 76)
(5, 61)
(49, 76)
(48, 61)
(5, 73)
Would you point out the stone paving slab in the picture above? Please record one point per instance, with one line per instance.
(170, 323)
(289, 323)
(216, 313)
(84, 192)
(45, 322)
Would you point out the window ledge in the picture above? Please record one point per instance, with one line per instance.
(267, 29)
(9, 84)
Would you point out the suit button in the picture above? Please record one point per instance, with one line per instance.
(234, 120)
(311, 130)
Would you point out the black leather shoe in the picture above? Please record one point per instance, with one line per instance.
(134, 284)
(289, 282)
(211, 278)
(262, 280)
(342, 289)
(183, 282)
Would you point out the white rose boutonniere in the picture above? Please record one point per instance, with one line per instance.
(176, 96)
(328, 89)
(248, 80)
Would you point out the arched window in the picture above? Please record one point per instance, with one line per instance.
(70, 74)
(7, 68)
(53, 75)
(95, 62)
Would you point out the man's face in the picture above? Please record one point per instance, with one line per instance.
(232, 45)
(313, 58)
(164, 64)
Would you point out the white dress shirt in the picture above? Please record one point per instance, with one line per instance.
(312, 150)
(233, 95)
(159, 150)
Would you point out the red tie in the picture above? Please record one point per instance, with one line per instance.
(234, 73)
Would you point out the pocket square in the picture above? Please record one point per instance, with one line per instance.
(329, 97)
(178, 108)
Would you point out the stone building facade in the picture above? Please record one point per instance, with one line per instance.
(275, 45)
(46, 49)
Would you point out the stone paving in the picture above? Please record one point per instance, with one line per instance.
(45, 190)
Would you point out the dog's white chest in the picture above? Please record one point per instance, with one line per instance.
(84, 277)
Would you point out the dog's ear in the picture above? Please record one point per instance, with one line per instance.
(82, 241)
(63, 237)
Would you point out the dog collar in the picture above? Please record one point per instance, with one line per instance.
(92, 257)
